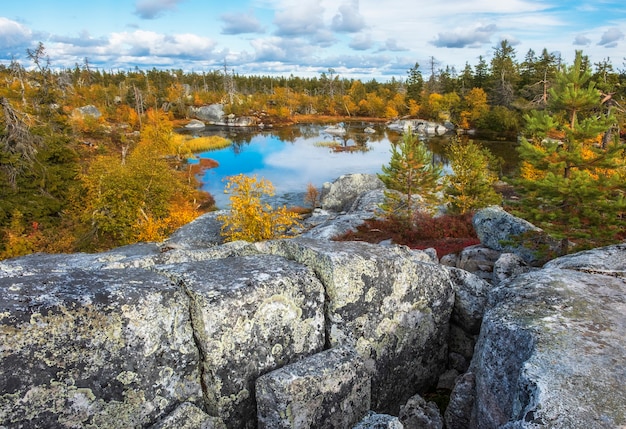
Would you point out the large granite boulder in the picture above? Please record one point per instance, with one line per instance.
(387, 303)
(93, 348)
(340, 194)
(251, 315)
(326, 225)
(500, 230)
(470, 299)
(195, 125)
(212, 113)
(609, 260)
(87, 111)
(551, 348)
(328, 390)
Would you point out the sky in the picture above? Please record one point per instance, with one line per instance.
(363, 39)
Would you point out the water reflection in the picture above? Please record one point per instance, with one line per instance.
(292, 157)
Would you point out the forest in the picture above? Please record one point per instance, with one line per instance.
(72, 182)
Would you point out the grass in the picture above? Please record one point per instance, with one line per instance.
(187, 145)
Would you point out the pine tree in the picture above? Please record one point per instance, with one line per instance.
(410, 172)
(572, 186)
(470, 186)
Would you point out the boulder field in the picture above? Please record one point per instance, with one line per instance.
(311, 333)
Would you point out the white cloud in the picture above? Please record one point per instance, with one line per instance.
(143, 43)
(304, 20)
(361, 42)
(151, 9)
(348, 19)
(391, 44)
(239, 23)
(466, 37)
(13, 34)
(611, 37)
(581, 40)
(293, 51)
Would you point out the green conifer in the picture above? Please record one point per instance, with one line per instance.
(470, 186)
(411, 171)
(572, 187)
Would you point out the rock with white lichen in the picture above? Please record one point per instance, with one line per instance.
(325, 391)
(99, 347)
(551, 348)
(251, 315)
(189, 416)
(195, 333)
(386, 302)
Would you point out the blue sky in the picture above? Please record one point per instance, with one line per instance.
(366, 39)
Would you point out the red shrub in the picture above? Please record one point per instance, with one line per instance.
(446, 234)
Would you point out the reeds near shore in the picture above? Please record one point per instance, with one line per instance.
(190, 145)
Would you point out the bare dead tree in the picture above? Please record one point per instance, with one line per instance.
(611, 104)
(138, 103)
(17, 142)
(229, 84)
(18, 73)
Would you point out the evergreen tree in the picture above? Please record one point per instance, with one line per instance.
(504, 74)
(572, 186)
(470, 186)
(410, 172)
(414, 84)
(481, 73)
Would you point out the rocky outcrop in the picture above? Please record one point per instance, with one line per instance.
(213, 114)
(386, 302)
(89, 347)
(130, 335)
(195, 124)
(193, 332)
(87, 111)
(499, 230)
(340, 194)
(327, 224)
(327, 390)
(550, 349)
(420, 126)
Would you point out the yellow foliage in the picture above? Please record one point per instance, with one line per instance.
(125, 114)
(251, 219)
(390, 112)
(153, 229)
(157, 135)
(19, 241)
(149, 229)
(187, 145)
(414, 108)
(528, 172)
(464, 119)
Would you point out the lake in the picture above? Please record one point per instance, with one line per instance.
(298, 155)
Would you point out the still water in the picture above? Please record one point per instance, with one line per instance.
(294, 157)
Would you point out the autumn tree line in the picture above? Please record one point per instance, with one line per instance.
(71, 182)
